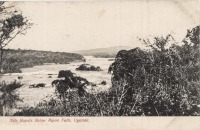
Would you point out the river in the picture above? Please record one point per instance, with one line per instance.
(40, 74)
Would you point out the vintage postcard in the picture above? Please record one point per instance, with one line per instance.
(132, 65)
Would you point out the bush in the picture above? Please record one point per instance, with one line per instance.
(8, 97)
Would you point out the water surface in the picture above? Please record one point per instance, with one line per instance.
(40, 74)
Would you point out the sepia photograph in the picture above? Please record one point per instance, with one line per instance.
(99, 58)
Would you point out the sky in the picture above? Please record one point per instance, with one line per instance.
(70, 26)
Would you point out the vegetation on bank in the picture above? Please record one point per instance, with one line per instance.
(99, 104)
(163, 81)
(14, 60)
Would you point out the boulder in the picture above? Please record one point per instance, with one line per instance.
(88, 67)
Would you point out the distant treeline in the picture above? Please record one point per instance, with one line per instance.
(103, 55)
(14, 60)
(109, 52)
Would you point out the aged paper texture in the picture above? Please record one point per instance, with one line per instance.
(100, 64)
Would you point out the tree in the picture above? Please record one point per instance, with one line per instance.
(193, 36)
(12, 24)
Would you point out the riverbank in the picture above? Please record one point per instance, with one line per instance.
(18, 59)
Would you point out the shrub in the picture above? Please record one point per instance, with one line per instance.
(8, 97)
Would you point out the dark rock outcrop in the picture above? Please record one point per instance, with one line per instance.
(126, 69)
(126, 62)
(39, 85)
(103, 82)
(88, 67)
(71, 81)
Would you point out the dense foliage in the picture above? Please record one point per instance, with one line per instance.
(14, 60)
(163, 81)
